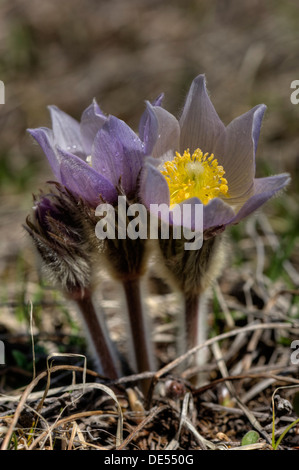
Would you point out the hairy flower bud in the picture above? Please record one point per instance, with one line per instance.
(60, 227)
(191, 271)
(58, 230)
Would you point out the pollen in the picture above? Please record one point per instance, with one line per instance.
(197, 175)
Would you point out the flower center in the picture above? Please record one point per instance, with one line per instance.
(197, 175)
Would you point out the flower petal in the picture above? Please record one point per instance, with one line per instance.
(189, 218)
(118, 154)
(148, 129)
(92, 120)
(168, 138)
(257, 124)
(148, 125)
(84, 181)
(153, 186)
(66, 132)
(237, 155)
(45, 139)
(216, 213)
(158, 101)
(200, 124)
(264, 189)
(42, 208)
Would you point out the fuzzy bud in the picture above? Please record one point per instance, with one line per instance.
(58, 227)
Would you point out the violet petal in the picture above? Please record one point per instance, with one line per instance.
(200, 124)
(84, 181)
(158, 101)
(43, 208)
(168, 133)
(92, 120)
(148, 129)
(118, 154)
(45, 139)
(188, 218)
(257, 124)
(153, 186)
(237, 155)
(264, 189)
(66, 132)
(216, 213)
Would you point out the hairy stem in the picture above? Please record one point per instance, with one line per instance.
(140, 333)
(103, 349)
(195, 324)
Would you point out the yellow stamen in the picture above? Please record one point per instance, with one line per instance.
(196, 175)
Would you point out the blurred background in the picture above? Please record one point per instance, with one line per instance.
(123, 52)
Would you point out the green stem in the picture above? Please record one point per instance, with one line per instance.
(275, 446)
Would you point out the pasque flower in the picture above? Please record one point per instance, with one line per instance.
(59, 227)
(194, 160)
(198, 160)
(207, 162)
(98, 159)
(97, 155)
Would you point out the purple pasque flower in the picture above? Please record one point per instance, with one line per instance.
(215, 164)
(98, 154)
(59, 228)
(58, 233)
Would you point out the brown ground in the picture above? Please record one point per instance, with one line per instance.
(123, 52)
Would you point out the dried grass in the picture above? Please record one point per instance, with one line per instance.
(254, 317)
